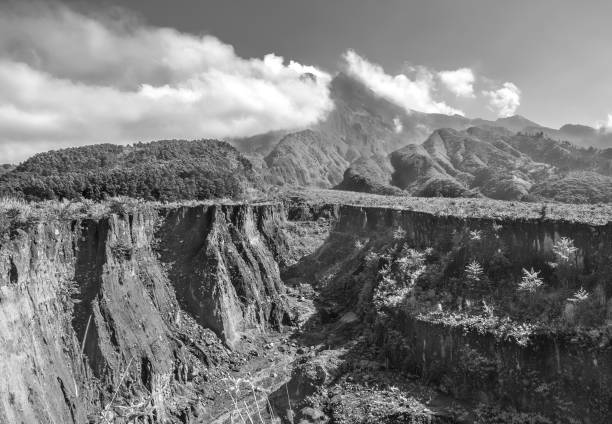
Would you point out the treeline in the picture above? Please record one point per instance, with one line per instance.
(164, 170)
(4, 168)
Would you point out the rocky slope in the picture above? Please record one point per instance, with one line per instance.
(91, 311)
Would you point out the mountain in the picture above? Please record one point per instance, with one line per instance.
(369, 144)
(580, 135)
(576, 187)
(513, 123)
(361, 125)
(365, 144)
(347, 147)
(305, 158)
(370, 175)
(163, 170)
(450, 163)
(491, 162)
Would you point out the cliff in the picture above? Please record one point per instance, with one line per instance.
(527, 351)
(92, 307)
(153, 307)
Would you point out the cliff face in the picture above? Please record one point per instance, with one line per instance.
(528, 241)
(222, 264)
(89, 308)
(556, 367)
(140, 306)
(41, 367)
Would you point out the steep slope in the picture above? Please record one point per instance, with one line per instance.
(305, 158)
(369, 175)
(576, 187)
(450, 163)
(122, 307)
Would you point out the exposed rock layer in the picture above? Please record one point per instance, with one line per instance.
(88, 301)
(88, 308)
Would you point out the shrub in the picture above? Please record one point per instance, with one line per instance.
(531, 281)
(579, 297)
(473, 271)
(399, 234)
(121, 250)
(564, 249)
(565, 254)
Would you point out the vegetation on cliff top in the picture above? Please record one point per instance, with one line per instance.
(595, 214)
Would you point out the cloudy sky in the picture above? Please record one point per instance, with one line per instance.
(79, 72)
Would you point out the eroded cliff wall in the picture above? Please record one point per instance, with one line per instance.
(561, 371)
(90, 308)
(119, 306)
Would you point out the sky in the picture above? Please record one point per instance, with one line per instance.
(78, 72)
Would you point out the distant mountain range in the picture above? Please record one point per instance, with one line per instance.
(350, 148)
(365, 144)
(490, 162)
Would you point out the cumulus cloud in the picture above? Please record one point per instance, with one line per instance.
(67, 78)
(505, 100)
(605, 126)
(460, 82)
(410, 92)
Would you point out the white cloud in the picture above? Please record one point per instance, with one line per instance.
(459, 82)
(605, 126)
(414, 93)
(505, 100)
(397, 125)
(69, 79)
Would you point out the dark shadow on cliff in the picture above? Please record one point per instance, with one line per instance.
(337, 353)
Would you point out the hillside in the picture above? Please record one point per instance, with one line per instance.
(305, 158)
(163, 170)
(576, 187)
(369, 175)
(7, 167)
(580, 135)
(492, 162)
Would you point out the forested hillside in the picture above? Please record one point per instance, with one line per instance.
(4, 168)
(162, 170)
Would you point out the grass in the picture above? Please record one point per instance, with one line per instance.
(243, 389)
(594, 214)
(14, 210)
